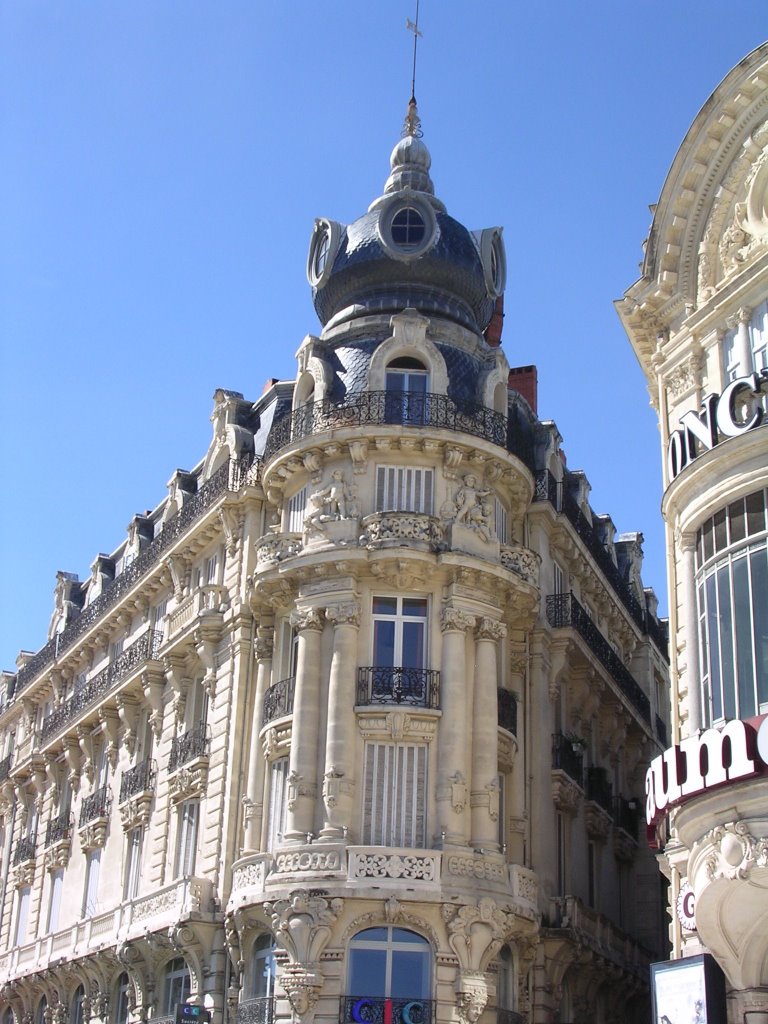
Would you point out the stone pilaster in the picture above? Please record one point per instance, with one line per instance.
(452, 819)
(484, 797)
(254, 794)
(302, 767)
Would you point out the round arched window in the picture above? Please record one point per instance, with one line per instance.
(390, 977)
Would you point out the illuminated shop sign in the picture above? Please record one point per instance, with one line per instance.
(703, 761)
(729, 414)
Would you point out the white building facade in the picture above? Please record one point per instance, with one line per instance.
(698, 321)
(353, 725)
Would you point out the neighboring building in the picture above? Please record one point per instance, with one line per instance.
(353, 725)
(698, 321)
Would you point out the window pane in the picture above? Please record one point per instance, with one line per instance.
(415, 606)
(410, 974)
(385, 606)
(743, 628)
(725, 616)
(759, 566)
(755, 513)
(721, 540)
(384, 643)
(714, 649)
(738, 524)
(368, 972)
(413, 644)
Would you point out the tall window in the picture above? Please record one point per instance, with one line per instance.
(559, 579)
(506, 993)
(593, 868)
(186, 839)
(134, 843)
(262, 982)
(732, 594)
(76, 1008)
(54, 905)
(90, 893)
(122, 1000)
(501, 518)
(560, 839)
(399, 631)
(278, 775)
(404, 489)
(297, 507)
(407, 384)
(42, 1006)
(389, 963)
(23, 897)
(395, 794)
(178, 985)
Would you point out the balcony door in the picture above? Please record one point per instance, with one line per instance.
(399, 649)
(407, 384)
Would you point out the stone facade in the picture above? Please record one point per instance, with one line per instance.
(355, 721)
(697, 319)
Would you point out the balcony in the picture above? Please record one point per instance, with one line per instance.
(397, 408)
(256, 1011)
(567, 757)
(278, 700)
(506, 703)
(58, 829)
(229, 477)
(564, 611)
(25, 849)
(193, 744)
(375, 1010)
(140, 779)
(95, 689)
(626, 815)
(95, 806)
(598, 789)
(548, 489)
(382, 684)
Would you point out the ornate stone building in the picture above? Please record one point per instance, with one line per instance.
(353, 725)
(698, 321)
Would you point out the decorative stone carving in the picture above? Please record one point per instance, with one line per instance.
(452, 458)
(347, 614)
(188, 781)
(471, 996)
(409, 867)
(307, 860)
(302, 924)
(476, 867)
(490, 629)
(303, 990)
(471, 506)
(737, 851)
(308, 618)
(597, 821)
(458, 792)
(399, 725)
(358, 451)
(94, 835)
(521, 561)
(475, 933)
(390, 529)
(249, 876)
(296, 789)
(57, 854)
(454, 619)
(265, 643)
(566, 794)
(681, 379)
(338, 500)
(402, 574)
(275, 548)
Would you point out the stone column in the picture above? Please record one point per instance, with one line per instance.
(339, 777)
(484, 797)
(743, 345)
(452, 787)
(302, 766)
(691, 632)
(254, 794)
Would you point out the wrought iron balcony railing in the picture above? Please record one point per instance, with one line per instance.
(507, 710)
(626, 815)
(563, 610)
(383, 684)
(376, 1010)
(229, 477)
(143, 649)
(508, 1017)
(549, 489)
(194, 743)
(598, 788)
(58, 828)
(25, 849)
(95, 806)
(256, 1011)
(138, 779)
(5, 767)
(400, 408)
(567, 757)
(278, 700)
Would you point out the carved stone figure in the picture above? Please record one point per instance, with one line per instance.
(336, 501)
(471, 506)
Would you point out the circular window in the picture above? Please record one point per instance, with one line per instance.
(323, 247)
(494, 261)
(407, 229)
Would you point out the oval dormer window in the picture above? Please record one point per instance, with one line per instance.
(407, 227)
(323, 247)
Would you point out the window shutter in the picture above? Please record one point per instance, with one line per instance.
(404, 489)
(278, 779)
(394, 812)
(502, 523)
(296, 508)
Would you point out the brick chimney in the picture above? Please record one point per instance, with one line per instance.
(493, 330)
(525, 380)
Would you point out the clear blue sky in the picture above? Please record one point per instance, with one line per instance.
(162, 162)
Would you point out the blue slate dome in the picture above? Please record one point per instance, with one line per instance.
(405, 251)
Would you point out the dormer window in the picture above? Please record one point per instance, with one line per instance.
(407, 384)
(408, 228)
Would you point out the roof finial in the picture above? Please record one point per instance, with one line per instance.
(412, 125)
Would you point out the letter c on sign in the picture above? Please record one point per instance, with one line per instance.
(405, 1013)
(357, 1008)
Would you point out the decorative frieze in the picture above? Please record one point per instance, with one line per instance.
(521, 561)
(411, 867)
(317, 859)
(484, 868)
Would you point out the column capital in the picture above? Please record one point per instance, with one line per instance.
(490, 629)
(307, 619)
(347, 614)
(264, 643)
(451, 619)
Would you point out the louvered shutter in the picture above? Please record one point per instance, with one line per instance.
(395, 793)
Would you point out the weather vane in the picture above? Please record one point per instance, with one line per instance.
(412, 124)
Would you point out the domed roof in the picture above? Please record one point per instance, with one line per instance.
(405, 251)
